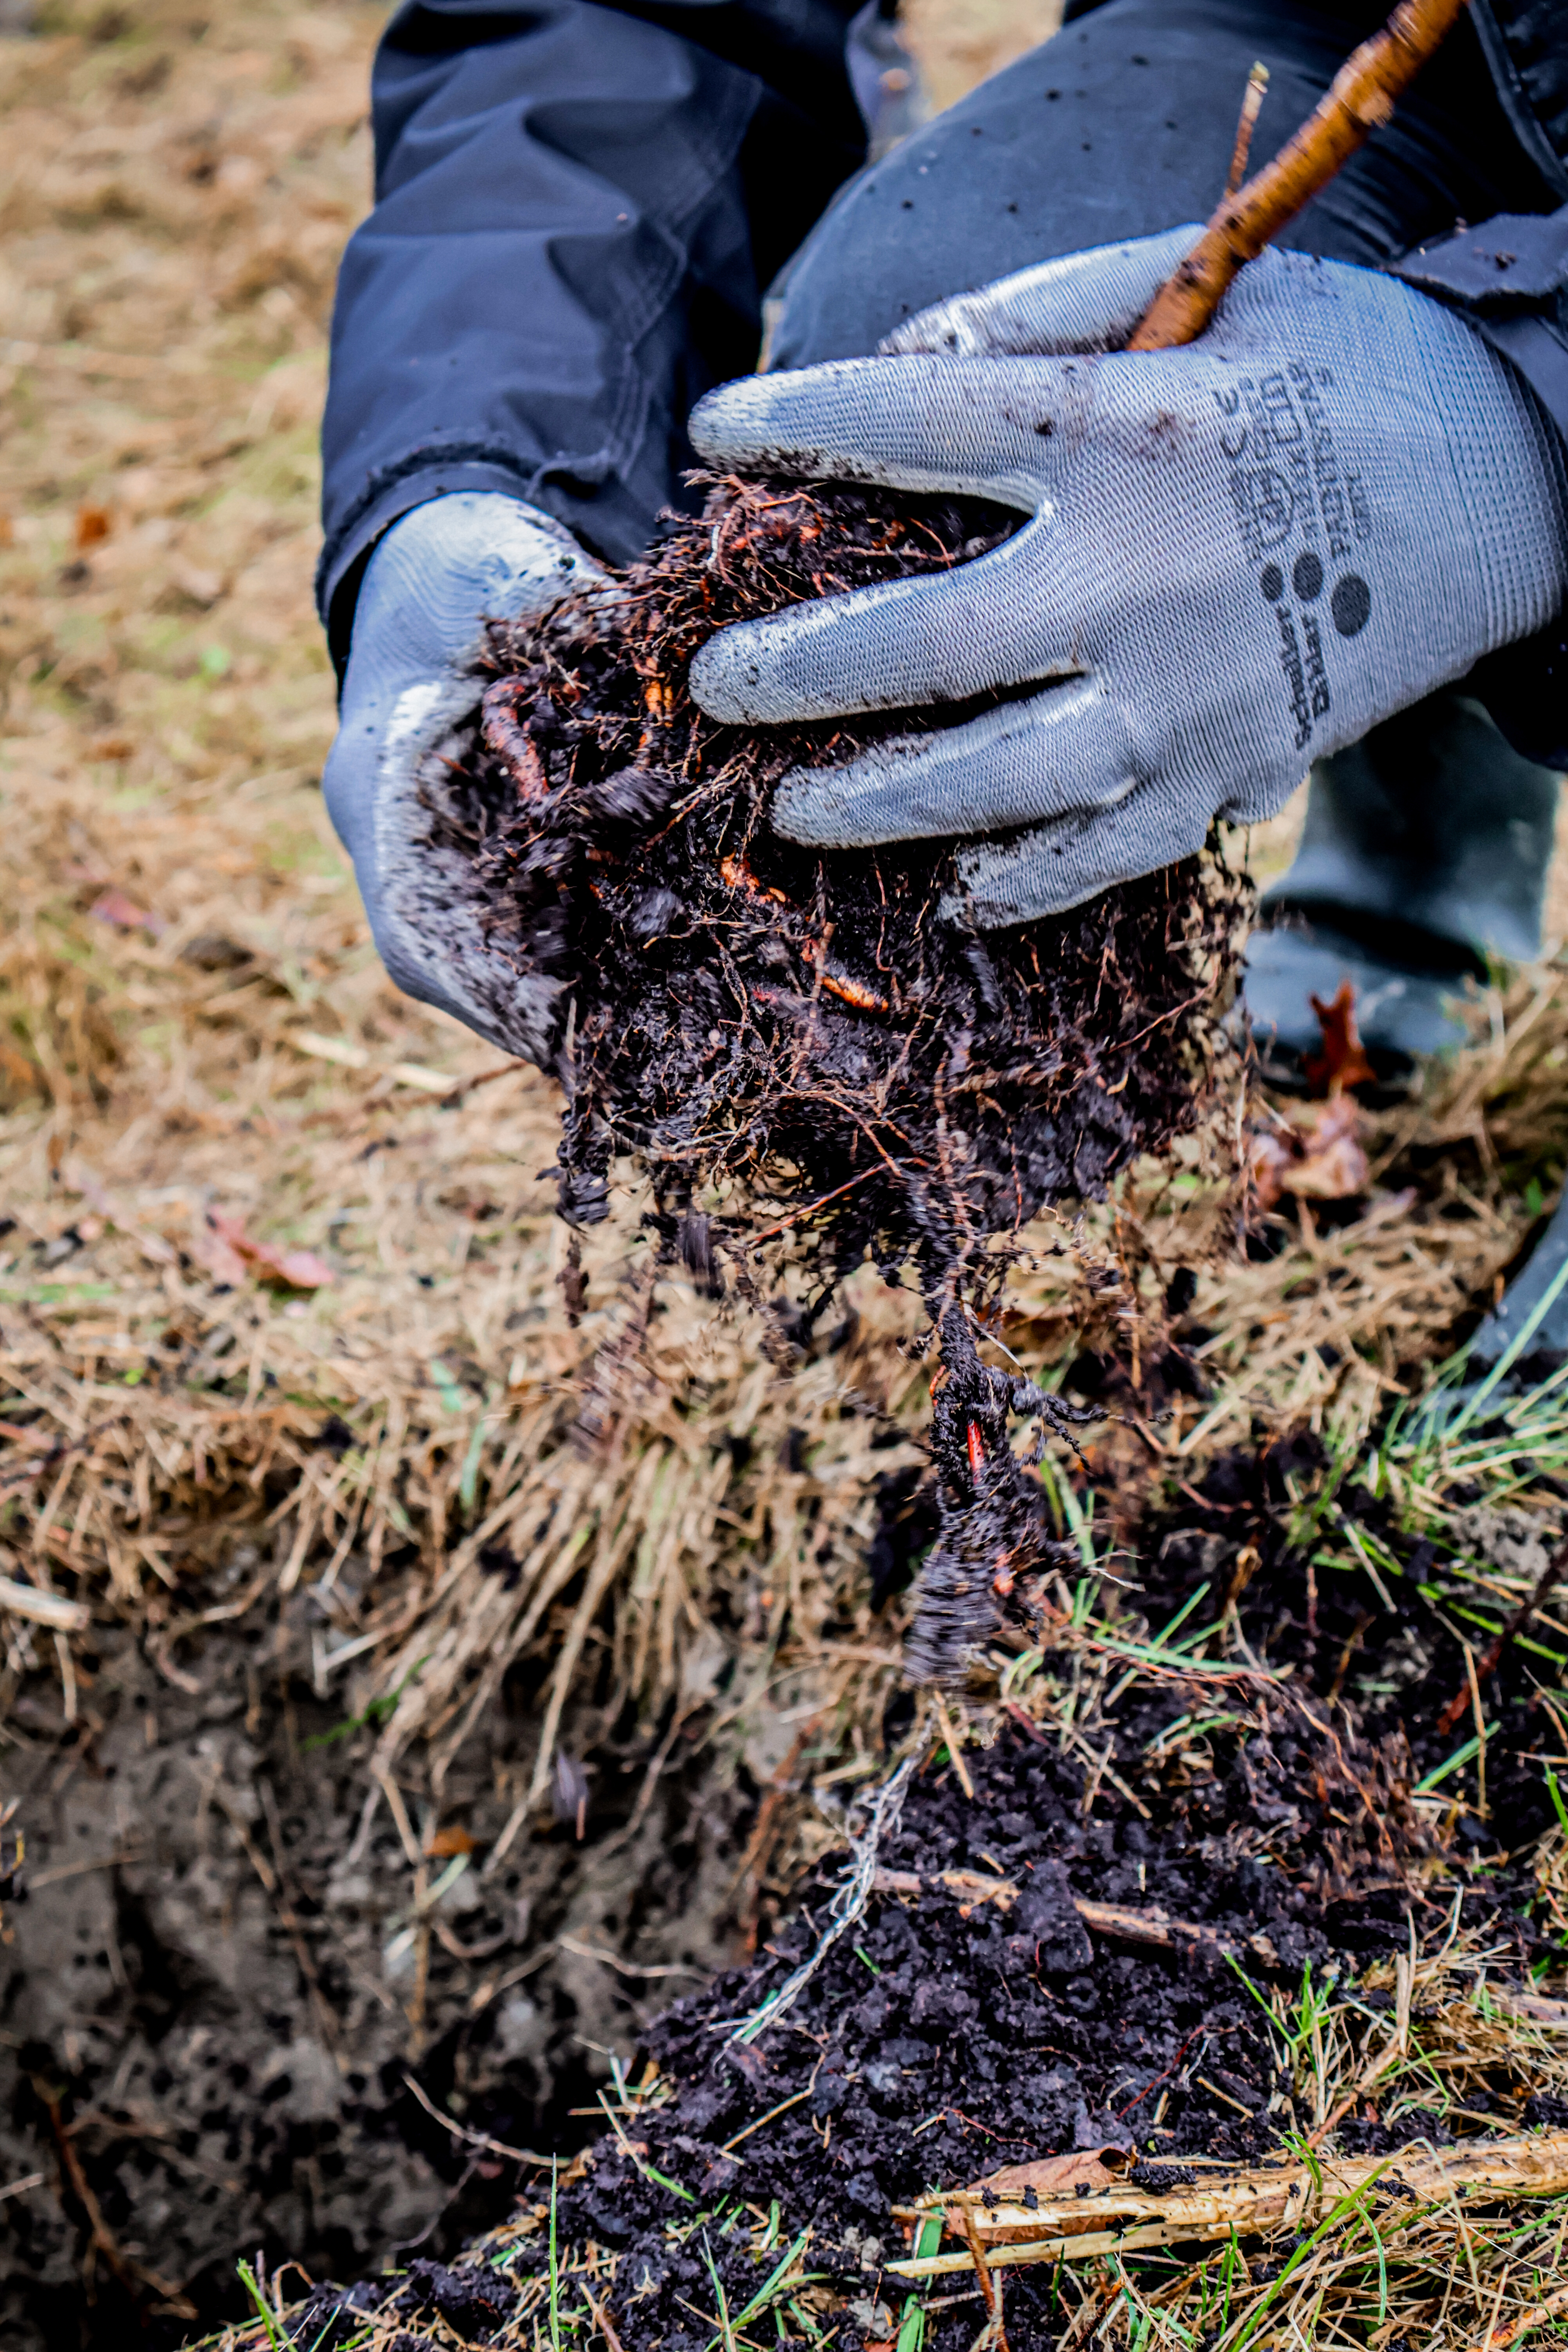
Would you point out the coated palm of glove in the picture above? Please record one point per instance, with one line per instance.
(441, 572)
(1240, 556)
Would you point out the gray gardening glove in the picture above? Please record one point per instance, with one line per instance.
(1240, 557)
(442, 571)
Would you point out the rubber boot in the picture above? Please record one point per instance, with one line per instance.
(1527, 1292)
(1424, 856)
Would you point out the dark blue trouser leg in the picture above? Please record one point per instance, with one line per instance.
(1424, 857)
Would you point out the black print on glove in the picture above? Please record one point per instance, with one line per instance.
(1301, 653)
(1351, 604)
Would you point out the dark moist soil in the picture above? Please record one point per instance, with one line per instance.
(944, 2036)
(226, 2061)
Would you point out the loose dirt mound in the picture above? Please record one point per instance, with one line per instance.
(1179, 1907)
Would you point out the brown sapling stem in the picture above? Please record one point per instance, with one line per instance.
(1360, 99)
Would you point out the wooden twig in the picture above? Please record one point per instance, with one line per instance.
(1251, 2202)
(1149, 1928)
(1112, 1920)
(1251, 107)
(51, 1608)
(990, 2288)
(1360, 101)
(1491, 1657)
(481, 2140)
(601, 2319)
(1552, 2307)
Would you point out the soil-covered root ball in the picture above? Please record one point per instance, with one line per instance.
(749, 1015)
(794, 1042)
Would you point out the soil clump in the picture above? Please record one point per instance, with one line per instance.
(746, 1015)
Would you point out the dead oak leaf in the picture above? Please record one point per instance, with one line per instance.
(1316, 1155)
(1343, 1062)
(114, 907)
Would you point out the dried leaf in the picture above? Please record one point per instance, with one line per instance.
(450, 1841)
(299, 1269)
(1056, 2176)
(1317, 1155)
(223, 1262)
(1342, 1062)
(113, 907)
(93, 524)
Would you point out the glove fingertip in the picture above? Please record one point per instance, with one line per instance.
(723, 425)
(718, 677)
(805, 816)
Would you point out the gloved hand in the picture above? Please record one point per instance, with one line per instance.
(1240, 556)
(442, 572)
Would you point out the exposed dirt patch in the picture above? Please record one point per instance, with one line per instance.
(219, 1980)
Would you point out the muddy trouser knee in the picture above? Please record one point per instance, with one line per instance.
(1425, 845)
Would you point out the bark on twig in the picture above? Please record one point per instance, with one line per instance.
(1250, 2203)
(1114, 1920)
(990, 2288)
(1360, 101)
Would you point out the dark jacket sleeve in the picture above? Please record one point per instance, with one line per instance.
(576, 209)
(1509, 278)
